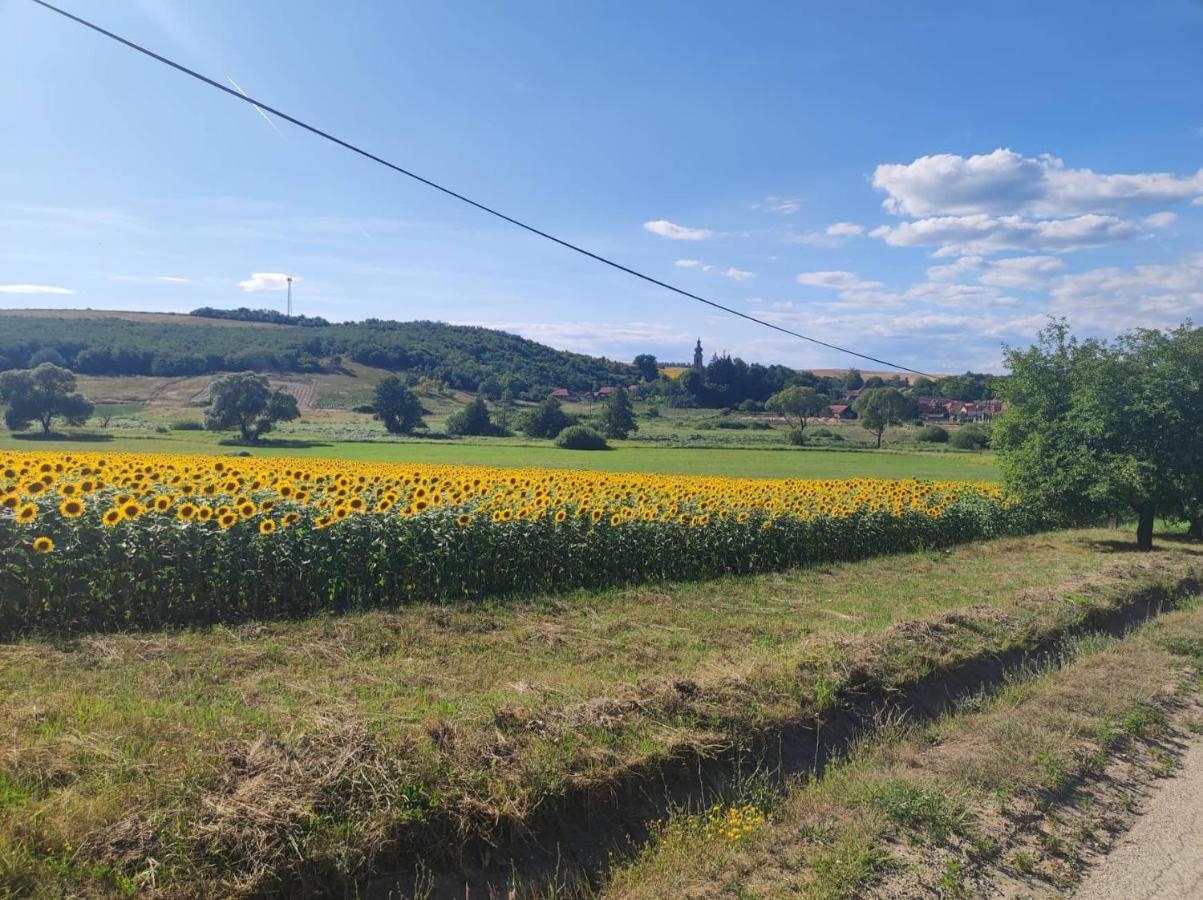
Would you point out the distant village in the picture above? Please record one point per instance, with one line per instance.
(932, 409)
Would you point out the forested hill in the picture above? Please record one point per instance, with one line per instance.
(156, 344)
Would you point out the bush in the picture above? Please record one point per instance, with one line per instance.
(796, 436)
(653, 412)
(932, 434)
(187, 425)
(581, 437)
(732, 424)
(365, 408)
(971, 437)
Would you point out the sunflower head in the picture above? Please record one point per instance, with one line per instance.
(185, 512)
(267, 526)
(463, 520)
(43, 544)
(111, 517)
(72, 508)
(27, 513)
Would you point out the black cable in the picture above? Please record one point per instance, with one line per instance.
(245, 98)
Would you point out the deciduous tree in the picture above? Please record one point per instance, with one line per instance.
(42, 394)
(246, 401)
(879, 408)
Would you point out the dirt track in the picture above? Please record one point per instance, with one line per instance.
(1161, 858)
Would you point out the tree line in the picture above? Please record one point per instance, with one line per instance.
(462, 357)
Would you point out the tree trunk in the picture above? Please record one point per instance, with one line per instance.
(1196, 528)
(879, 434)
(1144, 530)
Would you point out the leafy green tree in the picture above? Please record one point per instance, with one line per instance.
(1095, 428)
(799, 402)
(647, 366)
(853, 381)
(246, 401)
(879, 408)
(397, 406)
(473, 419)
(618, 417)
(41, 395)
(546, 420)
(924, 387)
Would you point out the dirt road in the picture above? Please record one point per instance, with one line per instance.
(1161, 858)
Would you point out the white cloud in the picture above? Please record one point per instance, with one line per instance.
(1161, 219)
(33, 289)
(786, 206)
(845, 229)
(982, 235)
(688, 263)
(176, 279)
(955, 271)
(268, 281)
(738, 274)
(1024, 273)
(841, 281)
(1114, 299)
(1198, 201)
(1004, 182)
(675, 232)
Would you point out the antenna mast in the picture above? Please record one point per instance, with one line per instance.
(290, 296)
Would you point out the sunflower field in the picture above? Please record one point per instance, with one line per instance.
(112, 541)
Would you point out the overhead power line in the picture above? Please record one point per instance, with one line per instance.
(347, 145)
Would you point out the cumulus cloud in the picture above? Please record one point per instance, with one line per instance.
(1114, 299)
(688, 263)
(267, 281)
(840, 281)
(981, 235)
(33, 289)
(845, 229)
(1007, 183)
(675, 232)
(1024, 273)
(738, 274)
(1161, 219)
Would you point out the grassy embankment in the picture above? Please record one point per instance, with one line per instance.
(1011, 795)
(303, 753)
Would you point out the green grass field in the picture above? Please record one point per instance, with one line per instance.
(625, 457)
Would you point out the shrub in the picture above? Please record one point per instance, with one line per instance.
(932, 434)
(971, 437)
(732, 424)
(187, 425)
(581, 437)
(796, 436)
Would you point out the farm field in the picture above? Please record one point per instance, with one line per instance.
(625, 457)
(273, 754)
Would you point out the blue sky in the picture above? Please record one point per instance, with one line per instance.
(921, 181)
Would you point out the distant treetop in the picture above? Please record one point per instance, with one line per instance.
(272, 316)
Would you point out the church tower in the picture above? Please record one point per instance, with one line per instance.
(697, 356)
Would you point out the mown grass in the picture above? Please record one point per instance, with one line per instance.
(624, 457)
(235, 760)
(1004, 797)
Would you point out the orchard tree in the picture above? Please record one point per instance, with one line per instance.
(618, 417)
(799, 402)
(879, 408)
(1095, 428)
(246, 401)
(397, 406)
(42, 394)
